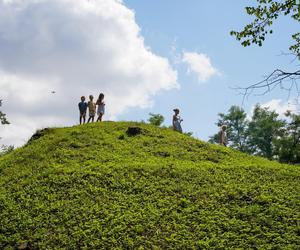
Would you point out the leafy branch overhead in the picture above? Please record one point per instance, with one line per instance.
(265, 14)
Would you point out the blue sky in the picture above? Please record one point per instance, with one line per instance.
(146, 56)
(204, 26)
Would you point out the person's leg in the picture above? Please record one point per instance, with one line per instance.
(84, 117)
(89, 119)
(100, 116)
(93, 118)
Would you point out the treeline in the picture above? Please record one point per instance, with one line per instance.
(264, 134)
(4, 149)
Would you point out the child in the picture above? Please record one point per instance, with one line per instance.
(92, 109)
(101, 107)
(177, 121)
(82, 110)
(223, 136)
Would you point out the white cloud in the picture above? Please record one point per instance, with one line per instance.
(280, 106)
(23, 126)
(200, 64)
(75, 48)
(277, 105)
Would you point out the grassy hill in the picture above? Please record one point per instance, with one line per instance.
(95, 187)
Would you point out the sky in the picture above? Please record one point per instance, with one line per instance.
(145, 56)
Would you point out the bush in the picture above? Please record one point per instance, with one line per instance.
(156, 119)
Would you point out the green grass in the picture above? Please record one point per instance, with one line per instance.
(93, 187)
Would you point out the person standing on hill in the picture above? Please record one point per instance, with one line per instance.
(101, 107)
(82, 110)
(92, 109)
(223, 136)
(177, 121)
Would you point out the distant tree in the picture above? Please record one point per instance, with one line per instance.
(188, 133)
(264, 134)
(237, 124)
(265, 13)
(3, 119)
(287, 147)
(156, 119)
(263, 129)
(6, 150)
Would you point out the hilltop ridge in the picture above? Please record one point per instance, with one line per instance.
(96, 187)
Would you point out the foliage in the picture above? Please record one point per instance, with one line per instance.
(6, 149)
(3, 119)
(263, 128)
(156, 119)
(265, 13)
(287, 147)
(237, 124)
(93, 187)
(188, 133)
(263, 134)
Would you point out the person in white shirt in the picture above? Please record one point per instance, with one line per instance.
(177, 121)
(101, 107)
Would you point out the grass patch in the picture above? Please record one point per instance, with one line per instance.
(96, 187)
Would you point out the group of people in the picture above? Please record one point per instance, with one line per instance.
(91, 106)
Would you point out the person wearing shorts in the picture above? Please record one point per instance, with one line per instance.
(82, 110)
(92, 109)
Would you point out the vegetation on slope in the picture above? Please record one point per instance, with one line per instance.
(94, 187)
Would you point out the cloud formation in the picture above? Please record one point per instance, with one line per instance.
(200, 64)
(280, 107)
(73, 48)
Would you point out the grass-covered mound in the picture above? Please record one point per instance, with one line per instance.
(95, 187)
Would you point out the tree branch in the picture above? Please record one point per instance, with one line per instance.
(278, 78)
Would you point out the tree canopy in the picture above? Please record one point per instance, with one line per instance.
(263, 134)
(156, 119)
(236, 123)
(3, 119)
(263, 129)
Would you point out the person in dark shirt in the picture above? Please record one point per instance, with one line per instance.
(82, 110)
